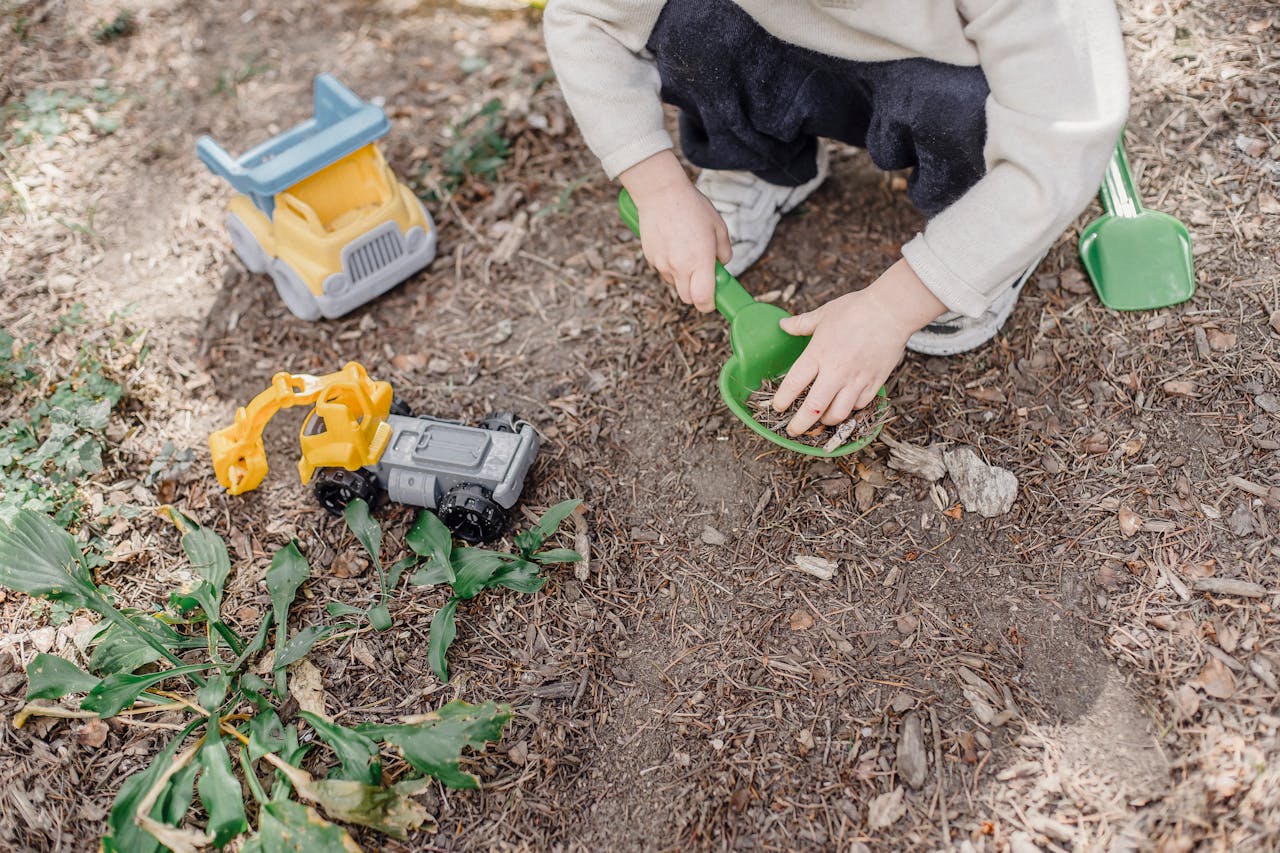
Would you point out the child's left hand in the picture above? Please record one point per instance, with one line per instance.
(858, 339)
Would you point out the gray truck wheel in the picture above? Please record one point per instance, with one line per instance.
(337, 487)
(300, 301)
(470, 511)
(246, 245)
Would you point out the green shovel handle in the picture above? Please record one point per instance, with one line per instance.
(731, 297)
(1119, 195)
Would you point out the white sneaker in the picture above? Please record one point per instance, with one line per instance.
(954, 333)
(751, 207)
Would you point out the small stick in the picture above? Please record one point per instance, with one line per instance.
(937, 767)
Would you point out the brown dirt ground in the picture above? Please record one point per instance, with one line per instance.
(688, 695)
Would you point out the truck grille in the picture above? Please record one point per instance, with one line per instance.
(381, 250)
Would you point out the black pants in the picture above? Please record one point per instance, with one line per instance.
(750, 101)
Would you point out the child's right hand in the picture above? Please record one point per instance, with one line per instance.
(682, 234)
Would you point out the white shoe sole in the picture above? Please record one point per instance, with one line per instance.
(974, 333)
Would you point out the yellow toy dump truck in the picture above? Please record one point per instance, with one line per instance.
(357, 441)
(321, 212)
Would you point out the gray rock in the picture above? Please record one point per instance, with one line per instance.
(985, 489)
(1241, 520)
(913, 765)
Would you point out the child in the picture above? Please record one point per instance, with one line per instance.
(1006, 111)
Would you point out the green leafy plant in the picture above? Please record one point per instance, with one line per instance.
(478, 150)
(363, 526)
(235, 718)
(123, 24)
(47, 451)
(42, 114)
(467, 571)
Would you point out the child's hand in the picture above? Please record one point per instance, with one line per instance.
(681, 233)
(858, 339)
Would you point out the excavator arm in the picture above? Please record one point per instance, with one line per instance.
(352, 431)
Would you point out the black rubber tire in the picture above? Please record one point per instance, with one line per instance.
(500, 422)
(400, 407)
(337, 487)
(470, 511)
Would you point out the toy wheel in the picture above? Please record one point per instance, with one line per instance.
(472, 514)
(501, 422)
(300, 301)
(400, 407)
(246, 245)
(337, 487)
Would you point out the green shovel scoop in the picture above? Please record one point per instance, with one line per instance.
(761, 350)
(1138, 259)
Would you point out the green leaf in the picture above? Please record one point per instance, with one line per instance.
(121, 651)
(257, 644)
(266, 734)
(288, 571)
(298, 646)
(520, 575)
(552, 518)
(380, 617)
(361, 523)
(41, 559)
(209, 560)
(358, 754)
(177, 800)
(443, 631)
(219, 789)
(338, 608)
(123, 835)
(433, 745)
(213, 693)
(434, 572)
(558, 555)
(430, 538)
(388, 810)
(288, 827)
(474, 567)
(292, 753)
(397, 569)
(117, 692)
(51, 677)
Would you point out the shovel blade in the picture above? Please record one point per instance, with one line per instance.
(1139, 263)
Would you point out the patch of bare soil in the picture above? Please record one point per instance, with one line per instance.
(1060, 669)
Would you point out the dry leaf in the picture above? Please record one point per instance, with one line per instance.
(886, 809)
(1274, 320)
(956, 512)
(1180, 388)
(865, 494)
(1130, 521)
(307, 687)
(93, 733)
(1073, 281)
(1097, 443)
(407, 362)
(1216, 680)
(987, 395)
(819, 567)
(1220, 341)
(1187, 700)
(348, 565)
(968, 748)
(801, 620)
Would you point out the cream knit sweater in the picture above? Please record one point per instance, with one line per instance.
(1059, 98)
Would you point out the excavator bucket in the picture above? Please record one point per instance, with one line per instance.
(352, 430)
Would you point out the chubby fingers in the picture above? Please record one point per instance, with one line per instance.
(803, 372)
(702, 286)
(815, 405)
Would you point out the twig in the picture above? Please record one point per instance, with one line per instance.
(937, 768)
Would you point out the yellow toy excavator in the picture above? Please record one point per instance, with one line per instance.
(351, 431)
(358, 442)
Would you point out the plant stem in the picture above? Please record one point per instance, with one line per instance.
(116, 617)
(237, 648)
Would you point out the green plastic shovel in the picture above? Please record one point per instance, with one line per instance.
(1139, 259)
(761, 350)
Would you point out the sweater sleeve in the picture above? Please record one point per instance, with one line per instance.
(1059, 98)
(596, 49)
